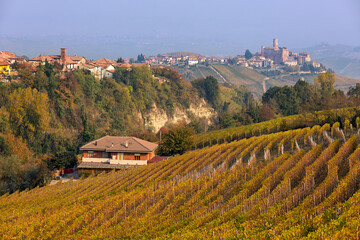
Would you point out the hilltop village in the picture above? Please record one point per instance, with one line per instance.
(269, 59)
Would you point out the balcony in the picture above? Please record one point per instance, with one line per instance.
(96, 160)
(114, 161)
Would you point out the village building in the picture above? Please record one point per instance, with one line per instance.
(278, 55)
(112, 152)
(10, 57)
(303, 57)
(107, 67)
(94, 69)
(192, 61)
(5, 68)
(69, 62)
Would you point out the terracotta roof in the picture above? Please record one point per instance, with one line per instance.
(8, 54)
(103, 166)
(88, 65)
(4, 64)
(76, 58)
(50, 58)
(157, 159)
(122, 65)
(69, 60)
(104, 61)
(120, 144)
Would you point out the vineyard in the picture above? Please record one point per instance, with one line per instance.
(279, 124)
(301, 183)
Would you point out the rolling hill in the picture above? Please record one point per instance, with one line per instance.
(344, 60)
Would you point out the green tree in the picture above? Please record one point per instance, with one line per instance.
(354, 92)
(227, 120)
(208, 88)
(141, 58)
(176, 141)
(4, 147)
(248, 54)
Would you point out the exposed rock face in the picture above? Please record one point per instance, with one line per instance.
(157, 118)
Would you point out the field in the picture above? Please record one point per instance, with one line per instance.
(300, 183)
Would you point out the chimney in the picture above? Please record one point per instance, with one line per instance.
(126, 144)
(275, 43)
(63, 56)
(95, 143)
(112, 144)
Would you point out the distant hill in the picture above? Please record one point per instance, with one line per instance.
(184, 54)
(344, 60)
(256, 82)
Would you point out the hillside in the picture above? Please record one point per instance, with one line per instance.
(288, 185)
(253, 80)
(344, 60)
(233, 75)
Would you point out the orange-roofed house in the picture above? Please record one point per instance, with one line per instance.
(107, 67)
(10, 57)
(112, 152)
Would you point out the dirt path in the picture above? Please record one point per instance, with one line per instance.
(264, 84)
(221, 76)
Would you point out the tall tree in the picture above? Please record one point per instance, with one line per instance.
(176, 141)
(325, 82)
(248, 54)
(208, 88)
(28, 111)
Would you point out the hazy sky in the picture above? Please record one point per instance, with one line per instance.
(126, 28)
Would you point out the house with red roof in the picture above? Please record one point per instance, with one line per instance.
(10, 57)
(107, 67)
(113, 152)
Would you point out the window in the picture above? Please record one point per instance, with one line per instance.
(137, 156)
(104, 154)
(91, 154)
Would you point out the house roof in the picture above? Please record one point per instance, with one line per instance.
(122, 65)
(9, 55)
(120, 144)
(52, 58)
(104, 62)
(4, 64)
(88, 65)
(49, 58)
(157, 159)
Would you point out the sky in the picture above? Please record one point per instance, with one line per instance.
(111, 28)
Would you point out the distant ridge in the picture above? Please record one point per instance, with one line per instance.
(183, 54)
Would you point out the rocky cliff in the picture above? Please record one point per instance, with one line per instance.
(157, 118)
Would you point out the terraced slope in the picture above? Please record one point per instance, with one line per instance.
(296, 184)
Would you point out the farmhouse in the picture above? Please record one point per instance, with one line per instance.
(111, 152)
